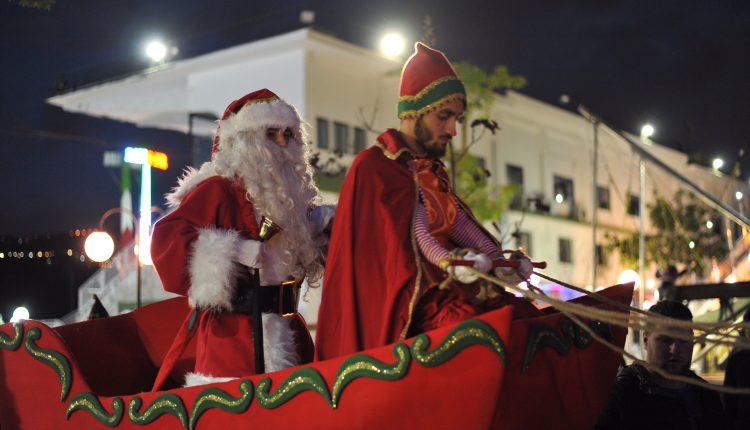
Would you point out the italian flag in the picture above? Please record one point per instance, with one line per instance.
(126, 203)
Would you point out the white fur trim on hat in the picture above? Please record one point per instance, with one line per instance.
(213, 270)
(275, 113)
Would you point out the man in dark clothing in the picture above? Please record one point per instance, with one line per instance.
(738, 376)
(642, 399)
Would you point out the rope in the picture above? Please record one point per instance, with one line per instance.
(648, 321)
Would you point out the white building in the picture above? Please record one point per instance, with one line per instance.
(346, 93)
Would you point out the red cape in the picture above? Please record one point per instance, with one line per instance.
(370, 305)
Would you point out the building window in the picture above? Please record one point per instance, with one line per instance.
(523, 241)
(563, 190)
(322, 133)
(360, 140)
(601, 255)
(565, 250)
(514, 175)
(602, 197)
(340, 137)
(634, 204)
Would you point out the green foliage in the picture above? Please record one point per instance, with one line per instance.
(37, 4)
(481, 86)
(675, 224)
(469, 175)
(487, 202)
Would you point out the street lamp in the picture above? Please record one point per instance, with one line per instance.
(646, 132)
(19, 314)
(718, 163)
(392, 45)
(99, 246)
(156, 51)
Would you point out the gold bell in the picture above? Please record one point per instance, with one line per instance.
(268, 229)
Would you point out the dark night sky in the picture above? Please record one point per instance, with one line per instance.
(682, 65)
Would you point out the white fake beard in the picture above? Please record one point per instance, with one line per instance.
(279, 184)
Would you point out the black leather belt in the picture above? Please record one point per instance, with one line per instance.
(280, 299)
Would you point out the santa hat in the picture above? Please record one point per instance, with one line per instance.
(259, 109)
(427, 81)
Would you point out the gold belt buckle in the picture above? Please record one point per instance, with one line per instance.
(292, 282)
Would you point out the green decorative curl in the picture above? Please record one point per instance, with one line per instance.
(90, 403)
(165, 404)
(216, 398)
(464, 335)
(12, 344)
(359, 366)
(301, 380)
(543, 336)
(51, 358)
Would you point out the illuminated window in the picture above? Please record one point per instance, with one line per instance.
(563, 187)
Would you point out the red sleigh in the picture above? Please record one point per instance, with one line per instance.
(488, 372)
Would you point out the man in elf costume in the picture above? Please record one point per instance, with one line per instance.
(205, 249)
(399, 223)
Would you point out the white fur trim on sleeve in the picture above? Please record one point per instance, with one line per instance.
(279, 346)
(213, 270)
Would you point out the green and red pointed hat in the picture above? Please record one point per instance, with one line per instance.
(427, 81)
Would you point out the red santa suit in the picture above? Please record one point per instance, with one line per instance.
(205, 247)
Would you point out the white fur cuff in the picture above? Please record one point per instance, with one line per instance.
(213, 271)
(279, 346)
(192, 379)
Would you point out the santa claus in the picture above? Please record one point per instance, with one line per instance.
(208, 247)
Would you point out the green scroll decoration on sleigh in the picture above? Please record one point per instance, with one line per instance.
(51, 358)
(12, 344)
(305, 379)
(543, 336)
(89, 402)
(216, 398)
(464, 335)
(165, 404)
(363, 366)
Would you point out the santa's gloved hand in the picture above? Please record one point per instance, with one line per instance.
(248, 252)
(321, 216)
(463, 274)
